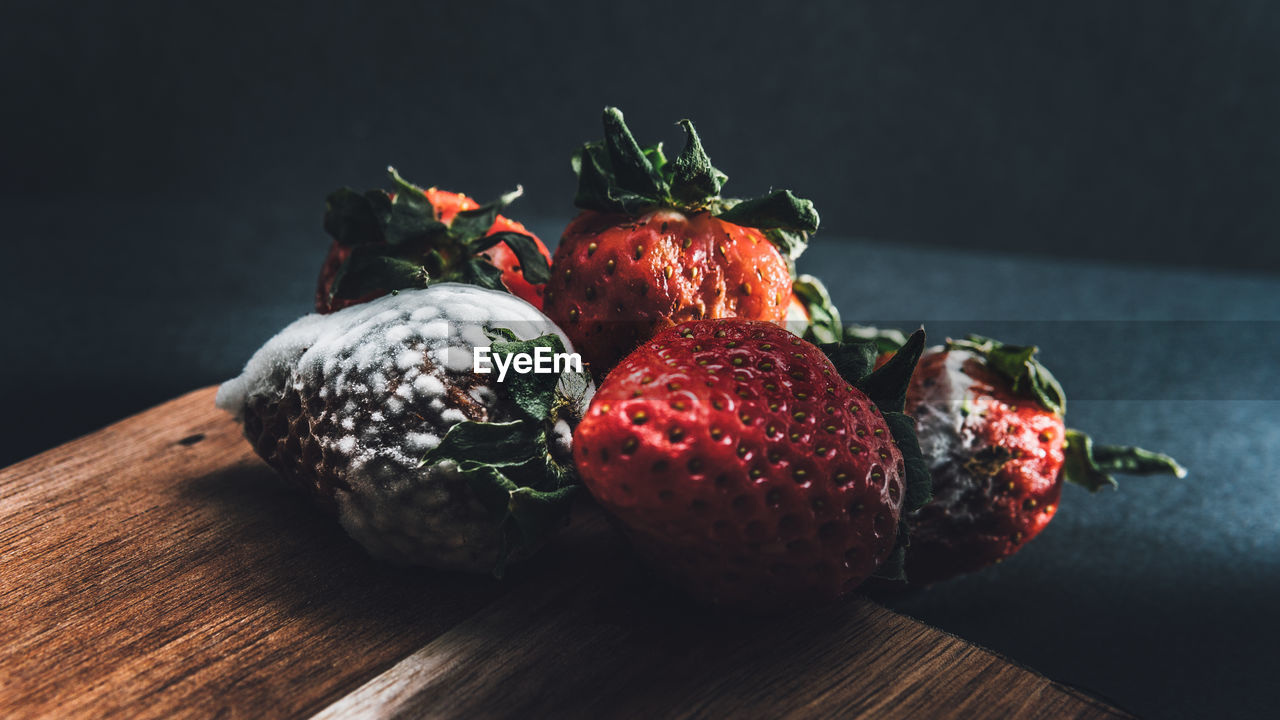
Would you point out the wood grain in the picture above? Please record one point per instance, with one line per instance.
(156, 569)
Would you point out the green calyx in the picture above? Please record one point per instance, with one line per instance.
(1018, 364)
(824, 317)
(513, 467)
(1090, 466)
(398, 242)
(887, 388)
(618, 175)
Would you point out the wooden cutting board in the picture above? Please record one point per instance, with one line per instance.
(157, 569)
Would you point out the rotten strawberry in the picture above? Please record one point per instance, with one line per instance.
(656, 244)
(379, 413)
(991, 425)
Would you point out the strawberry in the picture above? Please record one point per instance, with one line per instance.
(376, 412)
(656, 244)
(991, 425)
(392, 241)
(743, 463)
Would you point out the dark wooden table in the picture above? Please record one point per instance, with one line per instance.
(157, 569)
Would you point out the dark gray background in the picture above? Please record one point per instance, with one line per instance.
(1098, 178)
(1128, 130)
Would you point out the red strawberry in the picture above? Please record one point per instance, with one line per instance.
(741, 461)
(657, 245)
(394, 241)
(991, 427)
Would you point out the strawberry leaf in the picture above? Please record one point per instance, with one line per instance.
(493, 444)
(404, 187)
(1079, 466)
(502, 462)
(659, 161)
(1018, 364)
(533, 392)
(1130, 460)
(492, 489)
(887, 387)
(533, 264)
(478, 271)
(632, 169)
(352, 218)
(410, 222)
(824, 318)
(593, 179)
(785, 219)
(485, 242)
(411, 217)
(1090, 466)
(778, 209)
(468, 226)
(693, 178)
(524, 516)
(597, 189)
(854, 360)
(369, 272)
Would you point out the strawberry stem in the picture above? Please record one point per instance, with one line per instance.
(398, 242)
(1090, 466)
(618, 175)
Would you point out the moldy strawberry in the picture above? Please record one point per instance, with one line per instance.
(376, 413)
(991, 424)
